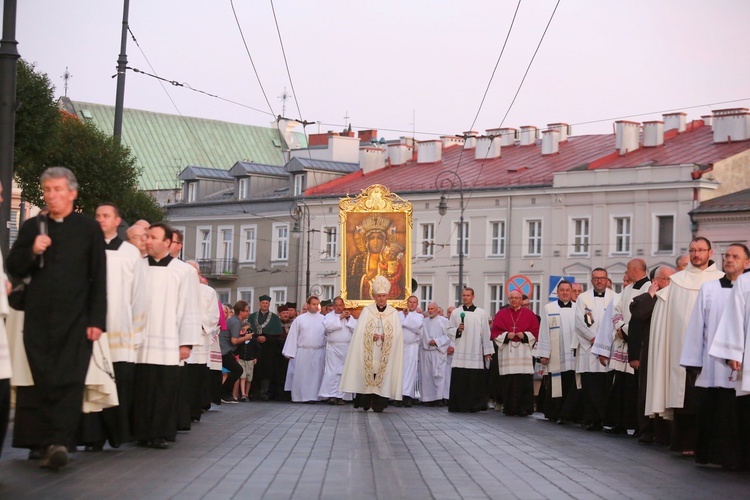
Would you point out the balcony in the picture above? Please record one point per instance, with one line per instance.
(219, 269)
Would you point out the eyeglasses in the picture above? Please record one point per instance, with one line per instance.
(699, 250)
(599, 279)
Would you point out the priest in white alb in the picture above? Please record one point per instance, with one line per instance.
(669, 386)
(555, 348)
(172, 328)
(306, 345)
(374, 367)
(411, 325)
(127, 301)
(339, 325)
(590, 307)
(433, 357)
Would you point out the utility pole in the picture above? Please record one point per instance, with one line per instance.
(8, 61)
(122, 64)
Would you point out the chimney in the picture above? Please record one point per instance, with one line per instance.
(366, 136)
(562, 128)
(550, 142)
(731, 125)
(471, 139)
(653, 133)
(708, 120)
(429, 151)
(451, 140)
(491, 132)
(487, 148)
(528, 135)
(399, 153)
(675, 121)
(627, 136)
(371, 158)
(508, 136)
(318, 140)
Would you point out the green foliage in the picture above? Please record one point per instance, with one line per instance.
(47, 136)
(37, 117)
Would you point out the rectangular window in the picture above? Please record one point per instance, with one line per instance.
(425, 296)
(330, 243)
(15, 217)
(280, 243)
(462, 237)
(622, 234)
(248, 242)
(497, 292)
(191, 191)
(182, 248)
(535, 301)
(299, 184)
(246, 294)
(227, 248)
(244, 191)
(203, 243)
(497, 239)
(278, 296)
(665, 239)
(457, 296)
(581, 236)
(328, 293)
(223, 296)
(427, 240)
(534, 246)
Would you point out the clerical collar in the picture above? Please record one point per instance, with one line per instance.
(113, 244)
(381, 309)
(471, 308)
(599, 294)
(164, 262)
(725, 282)
(638, 284)
(563, 304)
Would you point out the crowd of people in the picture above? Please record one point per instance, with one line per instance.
(139, 336)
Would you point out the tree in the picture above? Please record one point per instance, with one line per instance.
(106, 170)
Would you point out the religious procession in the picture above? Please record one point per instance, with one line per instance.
(140, 338)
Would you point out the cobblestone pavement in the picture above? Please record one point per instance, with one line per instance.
(284, 450)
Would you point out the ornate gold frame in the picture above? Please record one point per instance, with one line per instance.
(372, 207)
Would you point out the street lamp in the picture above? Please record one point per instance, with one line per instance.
(446, 182)
(299, 211)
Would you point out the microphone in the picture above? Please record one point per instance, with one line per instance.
(42, 220)
(458, 332)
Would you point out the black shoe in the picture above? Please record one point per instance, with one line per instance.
(615, 431)
(158, 444)
(398, 404)
(378, 410)
(55, 458)
(94, 447)
(593, 427)
(646, 438)
(407, 402)
(441, 403)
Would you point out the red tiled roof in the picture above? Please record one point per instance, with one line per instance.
(525, 166)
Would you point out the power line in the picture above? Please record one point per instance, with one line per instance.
(247, 50)
(286, 63)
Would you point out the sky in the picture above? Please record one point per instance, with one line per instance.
(402, 66)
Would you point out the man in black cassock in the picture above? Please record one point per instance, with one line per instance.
(66, 307)
(270, 372)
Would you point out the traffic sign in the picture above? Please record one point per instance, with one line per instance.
(521, 283)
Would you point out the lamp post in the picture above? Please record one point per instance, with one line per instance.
(446, 182)
(299, 211)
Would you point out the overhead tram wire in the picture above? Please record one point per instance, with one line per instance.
(252, 63)
(481, 103)
(518, 90)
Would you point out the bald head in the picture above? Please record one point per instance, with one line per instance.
(636, 270)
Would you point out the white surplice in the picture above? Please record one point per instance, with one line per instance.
(173, 317)
(411, 324)
(556, 334)
(434, 358)
(474, 343)
(668, 328)
(704, 321)
(732, 340)
(587, 328)
(209, 317)
(306, 344)
(338, 337)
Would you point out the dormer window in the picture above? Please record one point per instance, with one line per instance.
(299, 184)
(191, 191)
(244, 188)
